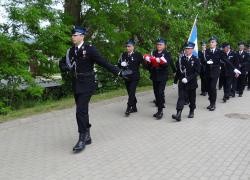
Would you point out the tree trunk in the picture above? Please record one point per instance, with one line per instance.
(73, 9)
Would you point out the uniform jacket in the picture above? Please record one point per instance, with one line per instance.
(202, 61)
(243, 61)
(82, 63)
(133, 63)
(160, 73)
(187, 68)
(213, 70)
(229, 64)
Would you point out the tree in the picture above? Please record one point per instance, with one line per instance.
(34, 31)
(235, 20)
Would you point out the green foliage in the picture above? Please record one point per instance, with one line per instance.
(33, 34)
(235, 20)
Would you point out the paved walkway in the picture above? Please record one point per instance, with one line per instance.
(213, 145)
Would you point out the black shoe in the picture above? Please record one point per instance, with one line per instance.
(233, 95)
(209, 107)
(212, 108)
(177, 116)
(224, 99)
(158, 115)
(191, 114)
(127, 112)
(80, 145)
(133, 109)
(240, 95)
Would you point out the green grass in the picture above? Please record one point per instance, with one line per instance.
(64, 103)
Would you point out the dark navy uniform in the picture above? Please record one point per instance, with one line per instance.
(243, 67)
(132, 62)
(84, 84)
(215, 58)
(159, 77)
(212, 72)
(80, 60)
(227, 71)
(188, 68)
(202, 73)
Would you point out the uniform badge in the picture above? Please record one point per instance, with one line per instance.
(192, 63)
(84, 53)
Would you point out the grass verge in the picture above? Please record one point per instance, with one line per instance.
(64, 103)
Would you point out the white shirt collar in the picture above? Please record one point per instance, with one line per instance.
(228, 52)
(188, 57)
(213, 49)
(80, 45)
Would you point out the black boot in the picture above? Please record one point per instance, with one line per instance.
(80, 145)
(127, 112)
(158, 115)
(177, 116)
(133, 109)
(209, 107)
(191, 114)
(224, 100)
(213, 107)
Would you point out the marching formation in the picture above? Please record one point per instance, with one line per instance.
(213, 64)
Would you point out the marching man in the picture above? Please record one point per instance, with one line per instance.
(131, 60)
(227, 71)
(80, 60)
(188, 68)
(157, 63)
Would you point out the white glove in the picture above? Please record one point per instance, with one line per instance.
(163, 59)
(147, 59)
(184, 80)
(124, 64)
(236, 71)
(210, 62)
(174, 86)
(158, 60)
